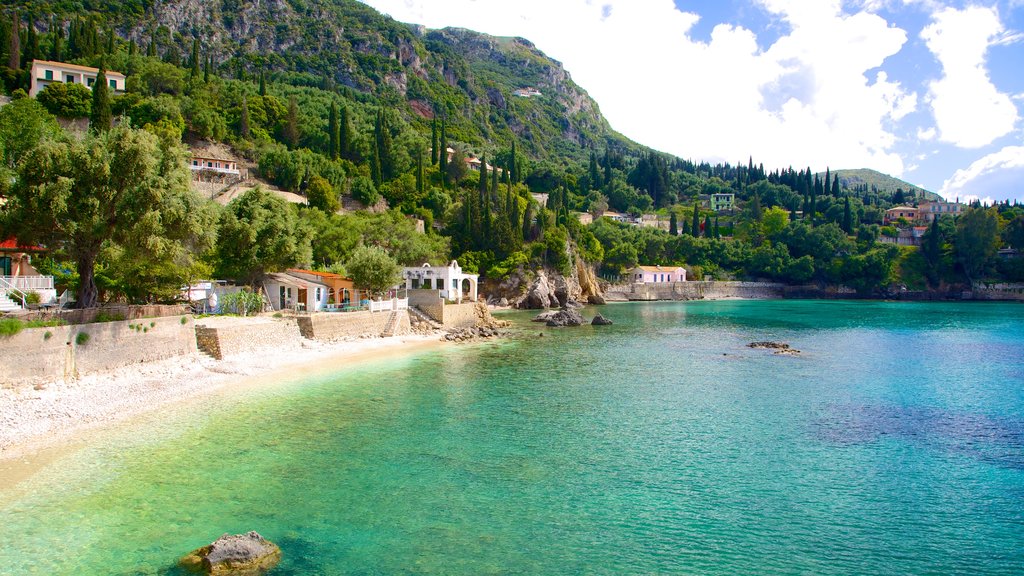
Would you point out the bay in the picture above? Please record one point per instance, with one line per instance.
(892, 444)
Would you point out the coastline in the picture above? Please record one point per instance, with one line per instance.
(37, 425)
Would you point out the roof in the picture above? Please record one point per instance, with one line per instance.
(76, 67)
(324, 275)
(901, 208)
(660, 268)
(11, 244)
(289, 280)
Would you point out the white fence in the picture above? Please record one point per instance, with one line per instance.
(389, 305)
(29, 283)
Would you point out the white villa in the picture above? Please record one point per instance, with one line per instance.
(657, 274)
(45, 72)
(453, 284)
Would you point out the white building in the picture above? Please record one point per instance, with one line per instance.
(45, 73)
(453, 284)
(657, 274)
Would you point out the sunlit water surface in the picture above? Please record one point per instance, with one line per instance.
(661, 445)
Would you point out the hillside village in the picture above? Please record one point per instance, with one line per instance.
(325, 191)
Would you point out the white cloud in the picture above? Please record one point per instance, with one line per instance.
(969, 110)
(926, 134)
(806, 99)
(995, 175)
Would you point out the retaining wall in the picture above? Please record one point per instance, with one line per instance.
(429, 302)
(39, 355)
(463, 315)
(330, 326)
(1003, 291)
(221, 338)
(692, 291)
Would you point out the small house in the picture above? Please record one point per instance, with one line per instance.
(657, 274)
(454, 284)
(908, 213)
(929, 211)
(45, 72)
(721, 202)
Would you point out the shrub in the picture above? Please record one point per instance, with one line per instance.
(33, 298)
(242, 303)
(66, 100)
(108, 317)
(184, 320)
(10, 326)
(82, 338)
(47, 335)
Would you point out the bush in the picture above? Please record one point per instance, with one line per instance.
(10, 326)
(66, 100)
(108, 317)
(364, 191)
(33, 298)
(82, 338)
(242, 303)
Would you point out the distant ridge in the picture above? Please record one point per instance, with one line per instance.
(883, 183)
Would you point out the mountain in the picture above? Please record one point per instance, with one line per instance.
(470, 78)
(882, 183)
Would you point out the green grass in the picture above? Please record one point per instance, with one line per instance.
(108, 317)
(10, 327)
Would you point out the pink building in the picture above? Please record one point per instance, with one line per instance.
(657, 274)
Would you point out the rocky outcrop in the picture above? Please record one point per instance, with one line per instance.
(780, 348)
(234, 555)
(540, 294)
(600, 320)
(564, 318)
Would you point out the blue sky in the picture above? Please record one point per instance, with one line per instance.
(931, 91)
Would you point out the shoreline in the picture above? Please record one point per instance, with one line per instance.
(37, 426)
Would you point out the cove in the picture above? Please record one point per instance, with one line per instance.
(894, 443)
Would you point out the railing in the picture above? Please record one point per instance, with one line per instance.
(29, 283)
(12, 291)
(388, 305)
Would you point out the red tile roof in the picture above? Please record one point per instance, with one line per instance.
(11, 244)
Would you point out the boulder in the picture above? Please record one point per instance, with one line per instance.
(234, 555)
(545, 316)
(600, 321)
(596, 299)
(564, 318)
(540, 294)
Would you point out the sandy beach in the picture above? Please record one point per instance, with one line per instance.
(33, 421)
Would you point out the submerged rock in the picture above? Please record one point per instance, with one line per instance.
(600, 320)
(564, 318)
(781, 348)
(234, 555)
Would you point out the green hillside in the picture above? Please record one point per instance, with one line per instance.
(872, 180)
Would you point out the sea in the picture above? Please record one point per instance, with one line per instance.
(892, 443)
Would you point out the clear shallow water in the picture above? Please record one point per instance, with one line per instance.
(894, 444)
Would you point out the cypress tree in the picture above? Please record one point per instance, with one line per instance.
(31, 51)
(332, 131)
(207, 64)
(673, 225)
(514, 164)
(717, 233)
(99, 119)
(344, 135)
(528, 223)
(420, 184)
(14, 54)
(494, 181)
(111, 37)
(263, 83)
(243, 123)
(195, 59)
(133, 48)
(595, 174)
(483, 181)
(382, 134)
(433, 142)
(151, 49)
(847, 217)
(707, 226)
(835, 185)
(695, 225)
(56, 46)
(443, 155)
(291, 127)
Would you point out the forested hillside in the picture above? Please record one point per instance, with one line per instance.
(330, 99)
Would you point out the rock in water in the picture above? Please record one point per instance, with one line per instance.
(238, 555)
(564, 318)
(769, 344)
(600, 321)
(545, 316)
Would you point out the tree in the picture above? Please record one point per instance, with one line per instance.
(695, 224)
(100, 117)
(56, 35)
(847, 217)
(977, 240)
(243, 120)
(263, 83)
(123, 186)
(194, 62)
(442, 159)
(345, 135)
(66, 100)
(321, 195)
(291, 126)
(1013, 233)
(14, 51)
(333, 131)
(673, 226)
(433, 142)
(259, 233)
(373, 269)
(707, 226)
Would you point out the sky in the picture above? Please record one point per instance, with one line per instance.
(930, 91)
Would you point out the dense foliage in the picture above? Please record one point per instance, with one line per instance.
(333, 101)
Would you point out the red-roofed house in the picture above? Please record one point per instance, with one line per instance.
(657, 274)
(18, 276)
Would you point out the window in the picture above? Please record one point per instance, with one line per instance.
(318, 293)
(209, 164)
(113, 84)
(48, 75)
(89, 82)
(69, 79)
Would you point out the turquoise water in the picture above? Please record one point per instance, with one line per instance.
(894, 444)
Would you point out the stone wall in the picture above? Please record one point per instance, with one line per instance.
(692, 291)
(429, 302)
(221, 338)
(39, 355)
(330, 326)
(463, 315)
(1001, 291)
